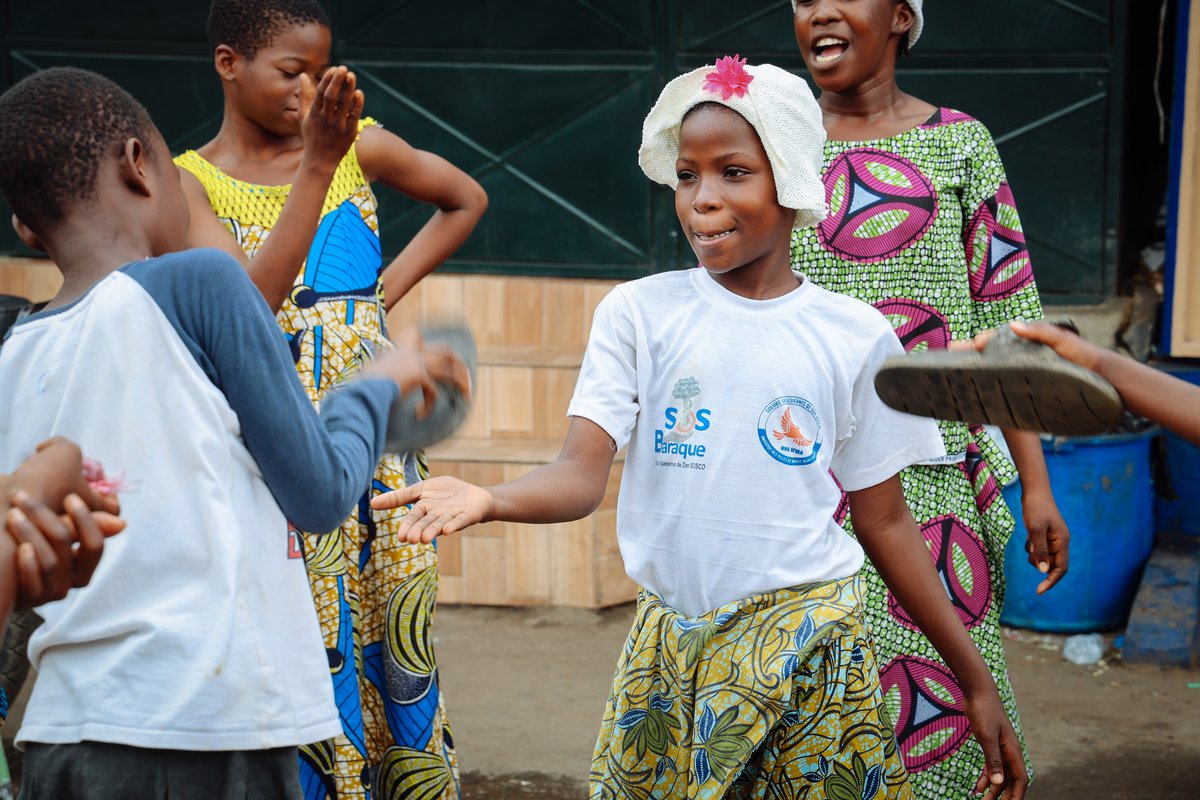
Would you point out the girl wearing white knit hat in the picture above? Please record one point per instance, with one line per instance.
(923, 226)
(739, 389)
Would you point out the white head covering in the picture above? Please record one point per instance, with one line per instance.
(918, 25)
(779, 106)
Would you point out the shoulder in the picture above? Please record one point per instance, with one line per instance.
(196, 273)
(848, 318)
(374, 143)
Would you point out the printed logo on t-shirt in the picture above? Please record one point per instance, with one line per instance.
(682, 420)
(790, 431)
(295, 543)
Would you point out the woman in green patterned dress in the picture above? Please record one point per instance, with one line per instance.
(922, 225)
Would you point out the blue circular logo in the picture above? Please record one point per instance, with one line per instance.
(790, 431)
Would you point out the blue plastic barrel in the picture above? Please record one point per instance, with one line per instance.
(1177, 501)
(1103, 488)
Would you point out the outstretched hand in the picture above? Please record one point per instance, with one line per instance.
(329, 114)
(1004, 766)
(440, 506)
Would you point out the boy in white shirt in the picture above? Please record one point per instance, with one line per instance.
(741, 390)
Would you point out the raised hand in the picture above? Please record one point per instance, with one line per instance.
(329, 115)
(440, 506)
(414, 365)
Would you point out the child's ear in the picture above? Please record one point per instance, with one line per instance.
(27, 236)
(133, 166)
(903, 19)
(226, 59)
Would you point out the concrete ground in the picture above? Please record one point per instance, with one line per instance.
(526, 688)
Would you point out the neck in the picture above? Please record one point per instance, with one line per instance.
(244, 138)
(877, 98)
(86, 253)
(764, 279)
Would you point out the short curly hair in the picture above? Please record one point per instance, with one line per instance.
(250, 25)
(56, 127)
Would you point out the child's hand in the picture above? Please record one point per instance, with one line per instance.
(55, 471)
(1067, 344)
(439, 506)
(1049, 540)
(1004, 767)
(329, 115)
(56, 554)
(414, 365)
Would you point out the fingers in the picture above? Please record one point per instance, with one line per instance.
(397, 497)
(1014, 766)
(90, 538)
(448, 369)
(109, 524)
(308, 93)
(29, 575)
(33, 523)
(429, 394)
(1039, 552)
(1058, 567)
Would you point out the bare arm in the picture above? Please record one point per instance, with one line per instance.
(890, 536)
(1146, 391)
(1049, 540)
(569, 488)
(427, 178)
(329, 129)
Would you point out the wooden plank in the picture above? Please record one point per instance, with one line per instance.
(483, 300)
(573, 569)
(511, 400)
(552, 392)
(483, 571)
(523, 311)
(1185, 316)
(35, 279)
(527, 564)
(563, 314)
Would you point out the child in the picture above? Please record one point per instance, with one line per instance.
(365, 581)
(738, 387)
(923, 227)
(1146, 391)
(191, 666)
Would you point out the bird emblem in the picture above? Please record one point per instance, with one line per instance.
(790, 431)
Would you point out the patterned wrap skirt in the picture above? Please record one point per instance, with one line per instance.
(775, 696)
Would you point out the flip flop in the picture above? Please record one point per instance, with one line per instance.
(1013, 383)
(406, 432)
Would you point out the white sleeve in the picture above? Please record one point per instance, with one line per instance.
(882, 441)
(607, 390)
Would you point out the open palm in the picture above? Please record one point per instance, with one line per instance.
(439, 506)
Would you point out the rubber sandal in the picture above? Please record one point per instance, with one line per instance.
(406, 433)
(1013, 383)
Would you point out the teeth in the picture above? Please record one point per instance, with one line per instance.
(714, 237)
(829, 41)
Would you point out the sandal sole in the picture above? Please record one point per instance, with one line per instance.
(1029, 393)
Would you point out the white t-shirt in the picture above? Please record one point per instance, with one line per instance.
(736, 412)
(197, 631)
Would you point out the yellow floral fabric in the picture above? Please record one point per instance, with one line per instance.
(775, 696)
(374, 594)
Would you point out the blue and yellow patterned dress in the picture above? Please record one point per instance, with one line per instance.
(374, 593)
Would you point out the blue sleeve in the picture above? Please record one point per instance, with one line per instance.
(316, 466)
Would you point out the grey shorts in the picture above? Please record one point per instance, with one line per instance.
(100, 771)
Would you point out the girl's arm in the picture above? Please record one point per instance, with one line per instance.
(569, 488)
(329, 129)
(886, 530)
(1146, 391)
(427, 178)
(1048, 538)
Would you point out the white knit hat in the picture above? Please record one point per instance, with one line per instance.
(779, 106)
(918, 25)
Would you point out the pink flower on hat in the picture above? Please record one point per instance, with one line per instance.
(729, 78)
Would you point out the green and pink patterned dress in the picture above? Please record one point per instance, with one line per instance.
(923, 226)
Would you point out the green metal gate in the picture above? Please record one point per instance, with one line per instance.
(542, 100)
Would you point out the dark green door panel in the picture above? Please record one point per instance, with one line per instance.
(542, 102)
